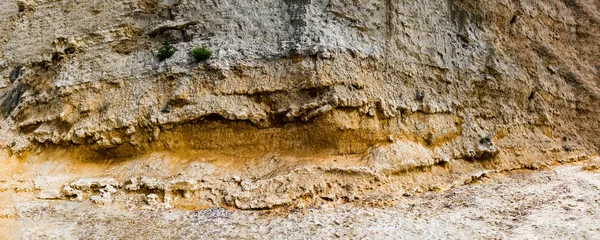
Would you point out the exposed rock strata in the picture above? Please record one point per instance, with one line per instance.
(302, 100)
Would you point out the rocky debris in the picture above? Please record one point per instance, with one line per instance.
(561, 202)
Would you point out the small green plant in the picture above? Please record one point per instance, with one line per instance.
(201, 53)
(166, 51)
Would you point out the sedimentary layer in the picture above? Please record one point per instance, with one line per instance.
(302, 101)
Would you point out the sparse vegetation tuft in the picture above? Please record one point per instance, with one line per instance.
(201, 53)
(166, 51)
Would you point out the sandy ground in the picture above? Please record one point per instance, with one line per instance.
(558, 203)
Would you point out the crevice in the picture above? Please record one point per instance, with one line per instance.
(11, 100)
(15, 73)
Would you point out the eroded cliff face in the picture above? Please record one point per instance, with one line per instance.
(302, 102)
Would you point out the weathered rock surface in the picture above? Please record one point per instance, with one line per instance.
(303, 102)
(557, 203)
